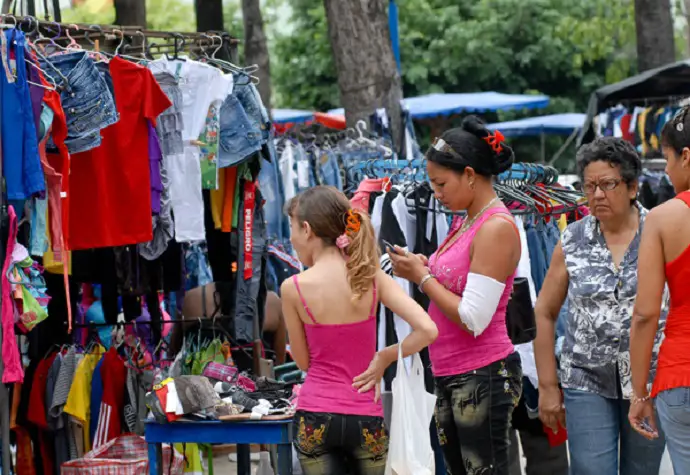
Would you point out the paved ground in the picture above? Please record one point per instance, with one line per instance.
(223, 466)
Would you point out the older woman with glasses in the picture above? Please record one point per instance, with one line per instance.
(595, 268)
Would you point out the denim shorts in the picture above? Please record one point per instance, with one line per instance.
(170, 124)
(251, 101)
(88, 102)
(239, 139)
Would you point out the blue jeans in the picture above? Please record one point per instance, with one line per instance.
(329, 170)
(272, 190)
(248, 290)
(536, 254)
(88, 103)
(239, 137)
(597, 427)
(673, 408)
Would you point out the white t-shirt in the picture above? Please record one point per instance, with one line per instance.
(201, 85)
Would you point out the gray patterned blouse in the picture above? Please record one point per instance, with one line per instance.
(596, 351)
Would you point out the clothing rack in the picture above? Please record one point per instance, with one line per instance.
(174, 321)
(645, 101)
(30, 24)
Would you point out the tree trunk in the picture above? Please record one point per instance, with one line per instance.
(130, 12)
(686, 14)
(256, 48)
(209, 15)
(368, 77)
(654, 26)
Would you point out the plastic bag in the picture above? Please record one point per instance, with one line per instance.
(410, 451)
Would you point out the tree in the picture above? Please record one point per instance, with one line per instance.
(256, 47)
(655, 39)
(209, 15)
(130, 12)
(367, 73)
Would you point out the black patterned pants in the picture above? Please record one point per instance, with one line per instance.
(473, 416)
(335, 444)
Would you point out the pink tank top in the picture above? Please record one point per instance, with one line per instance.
(456, 351)
(337, 354)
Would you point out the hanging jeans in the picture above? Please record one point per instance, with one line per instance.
(602, 441)
(673, 408)
(251, 264)
(89, 105)
(272, 191)
(473, 416)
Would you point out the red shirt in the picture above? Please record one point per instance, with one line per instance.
(110, 202)
(114, 375)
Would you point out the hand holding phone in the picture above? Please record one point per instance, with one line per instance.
(390, 247)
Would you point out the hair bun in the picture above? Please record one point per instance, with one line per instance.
(475, 126)
(500, 161)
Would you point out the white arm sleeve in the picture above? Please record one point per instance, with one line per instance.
(479, 302)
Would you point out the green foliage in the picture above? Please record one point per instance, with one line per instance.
(563, 48)
(303, 69)
(558, 47)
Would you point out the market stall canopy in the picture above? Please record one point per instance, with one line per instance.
(286, 116)
(654, 86)
(555, 124)
(433, 105)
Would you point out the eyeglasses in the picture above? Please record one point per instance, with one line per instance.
(604, 185)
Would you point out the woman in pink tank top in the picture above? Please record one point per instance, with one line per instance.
(330, 312)
(468, 281)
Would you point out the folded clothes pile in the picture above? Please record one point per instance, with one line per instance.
(221, 391)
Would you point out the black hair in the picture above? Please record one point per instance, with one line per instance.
(469, 149)
(676, 132)
(614, 151)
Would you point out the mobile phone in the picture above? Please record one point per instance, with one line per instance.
(389, 246)
(644, 425)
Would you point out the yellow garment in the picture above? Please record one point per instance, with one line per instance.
(79, 399)
(217, 197)
(49, 262)
(192, 458)
(561, 220)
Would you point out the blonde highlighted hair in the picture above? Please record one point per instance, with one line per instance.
(326, 209)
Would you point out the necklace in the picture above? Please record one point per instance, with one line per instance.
(469, 222)
(466, 225)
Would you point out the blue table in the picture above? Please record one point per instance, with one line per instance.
(217, 432)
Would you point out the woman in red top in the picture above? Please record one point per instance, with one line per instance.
(664, 258)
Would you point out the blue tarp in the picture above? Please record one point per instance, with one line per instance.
(433, 105)
(556, 124)
(285, 116)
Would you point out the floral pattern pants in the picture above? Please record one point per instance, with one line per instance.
(473, 416)
(335, 444)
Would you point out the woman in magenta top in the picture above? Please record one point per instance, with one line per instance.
(469, 280)
(330, 311)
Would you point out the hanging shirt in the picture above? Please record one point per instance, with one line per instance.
(114, 376)
(201, 85)
(96, 399)
(20, 160)
(79, 399)
(110, 188)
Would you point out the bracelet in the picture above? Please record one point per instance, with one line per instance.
(638, 400)
(424, 280)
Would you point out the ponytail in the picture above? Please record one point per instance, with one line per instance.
(332, 219)
(362, 252)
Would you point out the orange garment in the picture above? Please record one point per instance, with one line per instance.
(673, 367)
(228, 202)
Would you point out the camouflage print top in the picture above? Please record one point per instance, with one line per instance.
(600, 306)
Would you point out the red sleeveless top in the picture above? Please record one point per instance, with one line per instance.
(673, 368)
